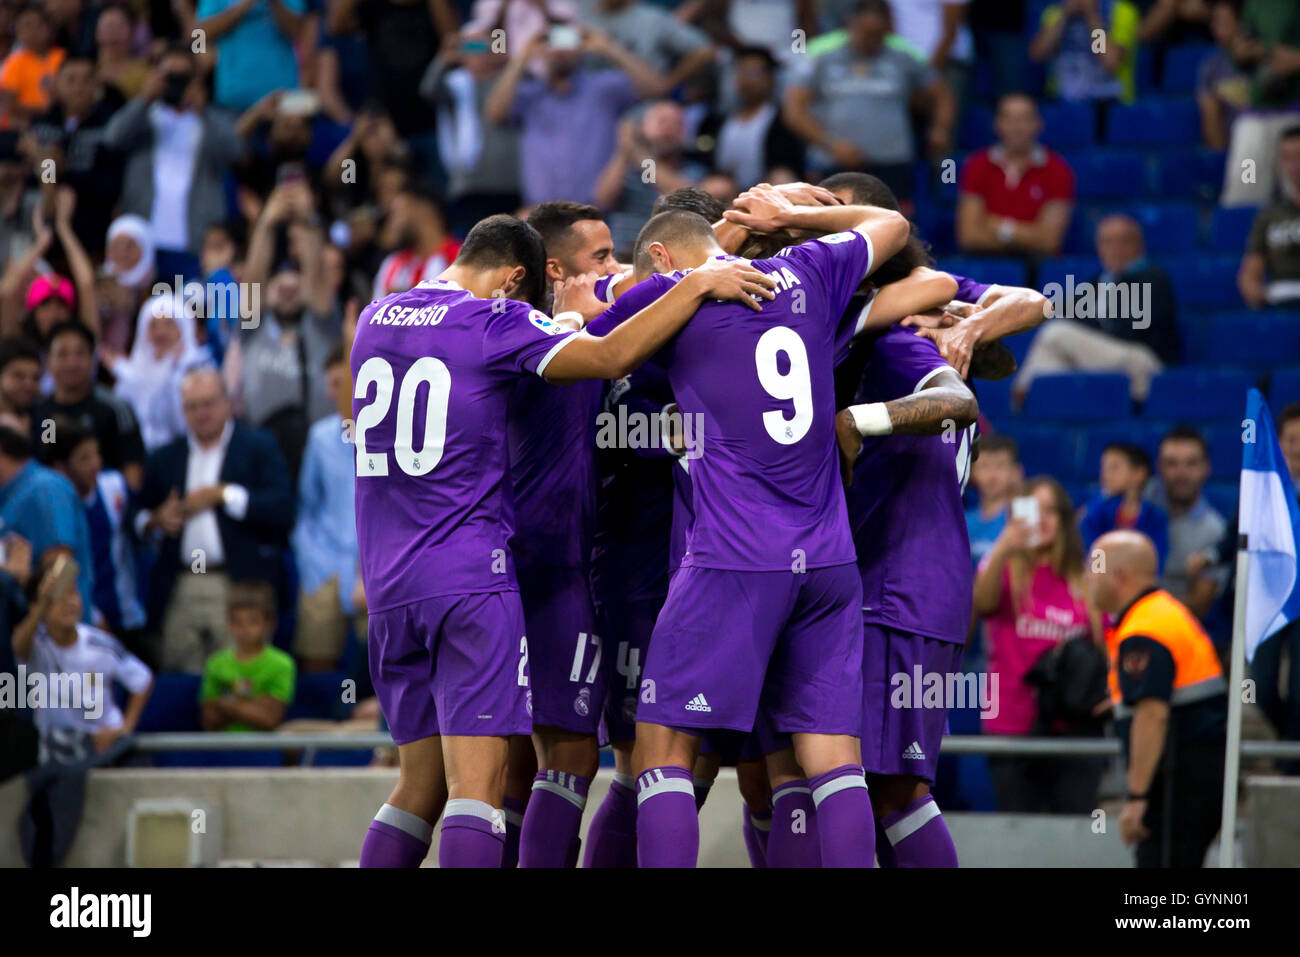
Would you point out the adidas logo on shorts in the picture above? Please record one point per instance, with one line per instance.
(913, 752)
(698, 704)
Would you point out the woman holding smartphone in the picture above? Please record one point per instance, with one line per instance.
(1029, 591)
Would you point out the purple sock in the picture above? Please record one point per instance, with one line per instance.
(513, 809)
(918, 836)
(884, 851)
(550, 833)
(844, 823)
(667, 824)
(756, 827)
(701, 786)
(396, 838)
(473, 835)
(792, 841)
(611, 839)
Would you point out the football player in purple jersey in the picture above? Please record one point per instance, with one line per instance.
(448, 647)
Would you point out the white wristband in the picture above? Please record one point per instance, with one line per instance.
(871, 419)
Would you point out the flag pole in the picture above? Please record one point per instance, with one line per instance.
(1236, 674)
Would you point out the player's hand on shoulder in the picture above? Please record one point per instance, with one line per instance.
(733, 279)
(578, 294)
(761, 209)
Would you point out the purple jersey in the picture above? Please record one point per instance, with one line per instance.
(766, 488)
(434, 369)
(968, 290)
(553, 471)
(905, 505)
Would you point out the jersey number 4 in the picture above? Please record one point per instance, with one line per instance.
(426, 371)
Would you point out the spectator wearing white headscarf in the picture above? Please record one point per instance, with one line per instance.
(128, 275)
(165, 349)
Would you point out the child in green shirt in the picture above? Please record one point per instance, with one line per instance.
(247, 687)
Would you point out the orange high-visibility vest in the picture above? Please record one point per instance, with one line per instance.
(1163, 618)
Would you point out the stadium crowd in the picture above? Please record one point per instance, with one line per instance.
(196, 202)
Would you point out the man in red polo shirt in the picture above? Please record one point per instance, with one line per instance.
(1017, 196)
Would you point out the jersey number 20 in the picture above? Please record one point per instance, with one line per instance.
(426, 371)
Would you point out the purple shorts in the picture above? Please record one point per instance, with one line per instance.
(564, 651)
(627, 626)
(455, 664)
(902, 725)
(730, 645)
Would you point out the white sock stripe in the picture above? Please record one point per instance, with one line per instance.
(649, 787)
(786, 789)
(412, 824)
(760, 824)
(573, 797)
(468, 807)
(836, 785)
(626, 780)
(909, 825)
(514, 817)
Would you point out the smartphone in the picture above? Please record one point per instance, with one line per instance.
(563, 36)
(299, 103)
(65, 577)
(474, 45)
(290, 173)
(1025, 508)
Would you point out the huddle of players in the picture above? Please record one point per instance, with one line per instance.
(774, 636)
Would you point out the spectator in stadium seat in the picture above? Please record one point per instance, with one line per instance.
(27, 70)
(830, 94)
(1081, 69)
(178, 147)
(752, 138)
(673, 49)
(254, 47)
(331, 594)
(1270, 269)
(41, 506)
(106, 500)
(572, 104)
(1222, 89)
(1168, 22)
(248, 686)
(1269, 43)
(415, 229)
(938, 29)
(1016, 196)
(116, 64)
(996, 475)
(1125, 472)
(1192, 573)
(1139, 339)
(218, 503)
(20, 379)
(79, 397)
(1029, 592)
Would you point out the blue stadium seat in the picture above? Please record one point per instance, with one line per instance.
(1285, 388)
(1187, 174)
(1078, 397)
(1229, 228)
(1168, 227)
(976, 130)
(173, 705)
(1044, 449)
(1155, 121)
(998, 272)
(1225, 449)
(1068, 126)
(1147, 435)
(1019, 345)
(1198, 394)
(1255, 338)
(1204, 280)
(1082, 268)
(938, 227)
(318, 696)
(1109, 174)
(1195, 332)
(1181, 65)
(994, 399)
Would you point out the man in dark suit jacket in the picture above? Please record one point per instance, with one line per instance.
(219, 504)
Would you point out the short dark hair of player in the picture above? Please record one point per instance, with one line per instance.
(72, 327)
(1185, 433)
(868, 190)
(671, 227)
(999, 442)
(335, 357)
(1290, 412)
(1136, 455)
(257, 595)
(554, 219)
(693, 199)
(503, 240)
(14, 445)
(68, 435)
(15, 349)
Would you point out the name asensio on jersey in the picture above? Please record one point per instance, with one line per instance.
(393, 314)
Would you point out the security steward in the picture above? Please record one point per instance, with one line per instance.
(1170, 705)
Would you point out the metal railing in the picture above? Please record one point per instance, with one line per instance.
(952, 744)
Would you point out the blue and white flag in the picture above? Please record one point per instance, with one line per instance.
(1269, 517)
